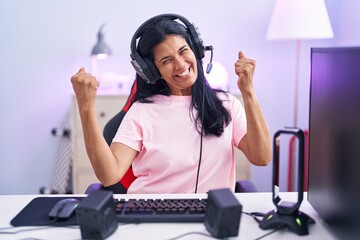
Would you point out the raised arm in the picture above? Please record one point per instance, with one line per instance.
(109, 164)
(256, 144)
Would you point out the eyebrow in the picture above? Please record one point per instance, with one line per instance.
(167, 57)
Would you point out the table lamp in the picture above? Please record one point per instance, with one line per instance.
(99, 53)
(298, 20)
(101, 50)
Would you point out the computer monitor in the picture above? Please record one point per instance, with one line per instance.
(334, 137)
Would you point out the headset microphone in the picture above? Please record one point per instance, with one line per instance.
(209, 66)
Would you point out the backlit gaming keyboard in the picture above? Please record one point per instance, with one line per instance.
(160, 210)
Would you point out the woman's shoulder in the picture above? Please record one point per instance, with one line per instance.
(229, 99)
(226, 96)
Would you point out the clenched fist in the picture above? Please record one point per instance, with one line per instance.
(244, 69)
(85, 87)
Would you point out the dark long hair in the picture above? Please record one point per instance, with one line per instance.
(215, 116)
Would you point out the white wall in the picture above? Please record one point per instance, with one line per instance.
(44, 42)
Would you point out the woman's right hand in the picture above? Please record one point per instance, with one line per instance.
(85, 87)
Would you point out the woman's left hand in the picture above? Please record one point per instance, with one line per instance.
(244, 69)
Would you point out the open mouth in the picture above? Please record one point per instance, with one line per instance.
(184, 73)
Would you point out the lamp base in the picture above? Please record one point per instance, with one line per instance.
(297, 222)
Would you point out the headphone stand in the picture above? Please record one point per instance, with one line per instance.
(287, 214)
(298, 222)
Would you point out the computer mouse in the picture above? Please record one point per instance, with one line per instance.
(64, 208)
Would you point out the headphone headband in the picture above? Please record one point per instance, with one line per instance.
(144, 66)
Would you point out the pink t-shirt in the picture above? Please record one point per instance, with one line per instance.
(168, 143)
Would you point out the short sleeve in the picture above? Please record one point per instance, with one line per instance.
(130, 131)
(238, 120)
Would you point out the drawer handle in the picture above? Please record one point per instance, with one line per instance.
(102, 114)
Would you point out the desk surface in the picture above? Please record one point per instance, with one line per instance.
(10, 205)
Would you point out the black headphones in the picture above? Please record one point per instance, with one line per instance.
(144, 66)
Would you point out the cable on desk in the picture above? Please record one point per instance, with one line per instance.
(269, 233)
(191, 233)
(254, 215)
(26, 230)
(31, 238)
(41, 226)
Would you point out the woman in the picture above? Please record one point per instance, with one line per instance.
(179, 135)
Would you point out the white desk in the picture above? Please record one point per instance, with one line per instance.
(10, 205)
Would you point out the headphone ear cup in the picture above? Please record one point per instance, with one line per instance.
(152, 72)
(197, 41)
(145, 68)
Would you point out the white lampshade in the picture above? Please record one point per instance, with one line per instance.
(299, 19)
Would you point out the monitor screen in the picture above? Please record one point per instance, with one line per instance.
(334, 135)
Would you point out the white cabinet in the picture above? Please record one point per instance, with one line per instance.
(82, 172)
(107, 107)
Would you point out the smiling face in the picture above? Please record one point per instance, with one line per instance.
(176, 63)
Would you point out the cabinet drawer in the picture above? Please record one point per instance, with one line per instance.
(105, 107)
(82, 180)
(81, 160)
(242, 166)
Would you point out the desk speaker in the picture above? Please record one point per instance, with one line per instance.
(223, 213)
(96, 215)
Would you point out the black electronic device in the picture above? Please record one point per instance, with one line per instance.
(144, 66)
(334, 138)
(96, 215)
(160, 210)
(223, 213)
(287, 214)
(64, 209)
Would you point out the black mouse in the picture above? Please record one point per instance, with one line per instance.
(64, 208)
